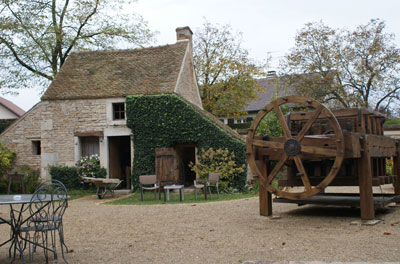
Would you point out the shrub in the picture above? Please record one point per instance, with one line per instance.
(221, 161)
(7, 157)
(89, 166)
(67, 175)
(31, 179)
(100, 173)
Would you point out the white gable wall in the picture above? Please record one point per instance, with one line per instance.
(7, 114)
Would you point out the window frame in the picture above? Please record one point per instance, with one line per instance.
(118, 112)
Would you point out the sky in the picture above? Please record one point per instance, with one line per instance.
(268, 27)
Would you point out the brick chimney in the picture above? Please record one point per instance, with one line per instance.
(184, 33)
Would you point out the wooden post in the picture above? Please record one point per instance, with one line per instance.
(265, 197)
(365, 182)
(396, 169)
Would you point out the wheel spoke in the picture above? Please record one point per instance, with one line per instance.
(282, 121)
(303, 173)
(268, 144)
(309, 123)
(276, 169)
(319, 151)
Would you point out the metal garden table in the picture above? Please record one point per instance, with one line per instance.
(17, 219)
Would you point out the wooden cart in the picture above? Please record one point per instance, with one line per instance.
(104, 185)
(317, 148)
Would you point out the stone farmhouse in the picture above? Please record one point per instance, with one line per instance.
(83, 110)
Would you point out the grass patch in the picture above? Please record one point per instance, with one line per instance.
(394, 121)
(76, 194)
(174, 198)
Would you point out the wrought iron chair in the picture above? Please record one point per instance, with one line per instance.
(61, 226)
(212, 182)
(201, 185)
(149, 182)
(46, 208)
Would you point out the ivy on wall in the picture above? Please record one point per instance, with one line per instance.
(163, 121)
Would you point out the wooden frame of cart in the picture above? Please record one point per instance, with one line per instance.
(321, 148)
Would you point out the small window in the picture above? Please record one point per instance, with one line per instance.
(118, 111)
(36, 147)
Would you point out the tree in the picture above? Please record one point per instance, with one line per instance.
(346, 68)
(36, 37)
(226, 74)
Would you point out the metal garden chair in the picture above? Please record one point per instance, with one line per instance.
(46, 208)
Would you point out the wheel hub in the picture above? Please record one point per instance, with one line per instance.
(292, 147)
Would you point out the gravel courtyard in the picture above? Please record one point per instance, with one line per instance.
(220, 232)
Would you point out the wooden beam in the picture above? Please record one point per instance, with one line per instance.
(380, 146)
(265, 197)
(396, 168)
(342, 181)
(365, 183)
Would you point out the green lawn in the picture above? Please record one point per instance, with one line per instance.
(174, 198)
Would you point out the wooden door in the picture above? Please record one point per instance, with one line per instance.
(166, 165)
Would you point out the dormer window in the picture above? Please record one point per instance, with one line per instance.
(118, 111)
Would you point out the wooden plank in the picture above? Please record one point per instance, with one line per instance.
(363, 120)
(351, 142)
(340, 199)
(380, 146)
(339, 113)
(365, 184)
(381, 179)
(89, 134)
(166, 165)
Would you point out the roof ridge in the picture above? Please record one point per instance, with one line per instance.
(91, 52)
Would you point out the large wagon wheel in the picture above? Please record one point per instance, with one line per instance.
(295, 147)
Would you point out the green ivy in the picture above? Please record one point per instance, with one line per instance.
(163, 121)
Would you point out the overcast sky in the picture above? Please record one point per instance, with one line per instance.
(268, 27)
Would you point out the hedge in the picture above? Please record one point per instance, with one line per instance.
(163, 121)
(67, 175)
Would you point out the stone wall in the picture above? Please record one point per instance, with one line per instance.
(187, 84)
(56, 124)
(20, 134)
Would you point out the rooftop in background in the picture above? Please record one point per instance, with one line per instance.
(11, 107)
(272, 88)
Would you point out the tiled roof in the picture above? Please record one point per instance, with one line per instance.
(12, 107)
(118, 73)
(270, 91)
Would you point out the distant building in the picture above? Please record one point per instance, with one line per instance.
(9, 112)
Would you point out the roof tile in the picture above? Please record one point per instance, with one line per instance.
(118, 73)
